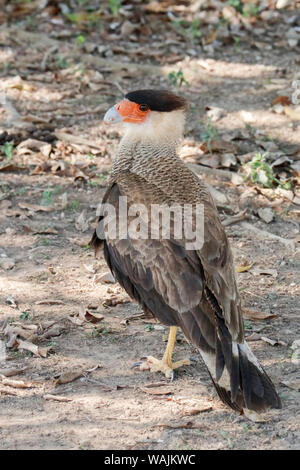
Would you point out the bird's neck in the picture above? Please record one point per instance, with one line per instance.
(144, 153)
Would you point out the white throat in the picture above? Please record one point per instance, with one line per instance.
(158, 128)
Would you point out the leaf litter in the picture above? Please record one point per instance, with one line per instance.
(52, 134)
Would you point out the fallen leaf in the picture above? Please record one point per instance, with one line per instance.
(49, 302)
(69, 376)
(11, 372)
(244, 267)
(70, 138)
(77, 321)
(106, 277)
(157, 391)
(257, 271)
(48, 396)
(15, 383)
(273, 342)
(81, 223)
(64, 200)
(196, 411)
(295, 115)
(35, 207)
(284, 100)
(33, 348)
(79, 241)
(47, 231)
(180, 425)
(86, 315)
(55, 330)
(293, 384)
(250, 314)
(31, 146)
(10, 167)
(255, 417)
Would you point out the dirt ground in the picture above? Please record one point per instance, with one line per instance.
(68, 334)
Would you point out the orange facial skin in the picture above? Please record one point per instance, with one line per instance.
(132, 112)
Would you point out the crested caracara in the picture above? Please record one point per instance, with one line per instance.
(181, 284)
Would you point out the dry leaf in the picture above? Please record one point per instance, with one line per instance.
(293, 384)
(69, 376)
(157, 390)
(49, 302)
(77, 321)
(55, 330)
(64, 200)
(47, 231)
(19, 331)
(284, 100)
(72, 139)
(35, 207)
(57, 398)
(250, 314)
(31, 146)
(196, 411)
(11, 372)
(255, 417)
(79, 241)
(86, 315)
(33, 348)
(10, 167)
(257, 271)
(244, 267)
(179, 425)
(81, 223)
(295, 115)
(273, 342)
(106, 277)
(15, 383)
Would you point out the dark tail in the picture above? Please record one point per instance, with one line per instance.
(240, 380)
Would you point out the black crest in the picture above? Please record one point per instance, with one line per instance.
(157, 100)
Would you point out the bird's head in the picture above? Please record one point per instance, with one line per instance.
(155, 114)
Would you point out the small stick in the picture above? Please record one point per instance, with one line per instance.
(235, 218)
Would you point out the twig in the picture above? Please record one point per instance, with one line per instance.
(57, 398)
(73, 139)
(235, 218)
(119, 88)
(46, 56)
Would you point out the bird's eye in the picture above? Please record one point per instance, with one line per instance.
(143, 107)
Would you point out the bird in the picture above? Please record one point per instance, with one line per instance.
(183, 285)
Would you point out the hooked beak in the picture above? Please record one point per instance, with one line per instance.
(112, 116)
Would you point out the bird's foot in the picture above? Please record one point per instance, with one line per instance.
(162, 365)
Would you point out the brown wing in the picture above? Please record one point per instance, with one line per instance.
(165, 278)
(217, 262)
(194, 290)
(215, 255)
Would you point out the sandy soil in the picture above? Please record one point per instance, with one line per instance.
(50, 278)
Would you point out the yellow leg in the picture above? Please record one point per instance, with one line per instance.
(165, 365)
